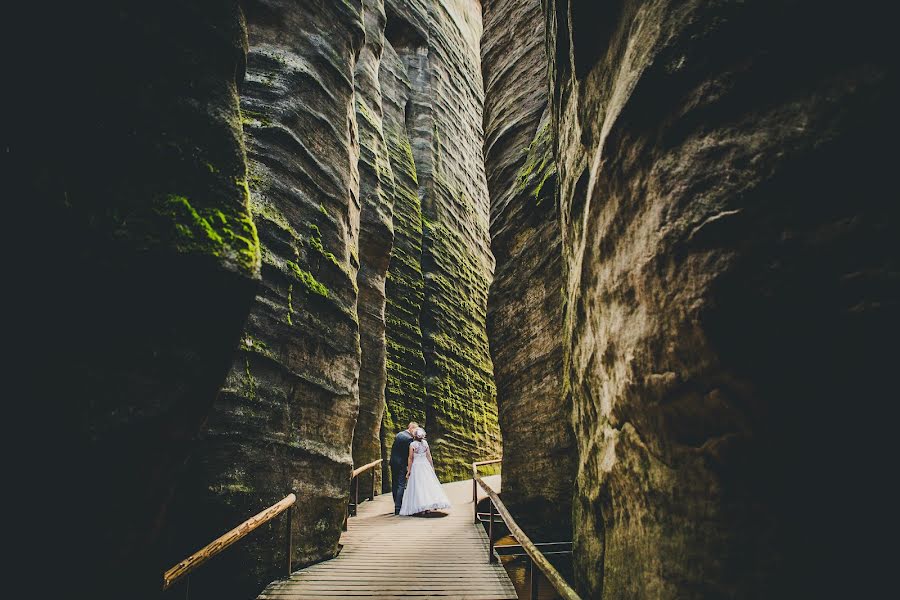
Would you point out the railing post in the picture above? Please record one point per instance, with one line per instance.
(356, 497)
(533, 580)
(475, 498)
(372, 495)
(491, 557)
(289, 545)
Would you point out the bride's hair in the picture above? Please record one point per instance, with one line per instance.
(419, 433)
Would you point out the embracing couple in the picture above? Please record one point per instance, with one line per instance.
(416, 487)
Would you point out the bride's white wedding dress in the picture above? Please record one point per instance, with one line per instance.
(423, 490)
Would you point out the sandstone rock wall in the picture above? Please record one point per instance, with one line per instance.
(405, 386)
(525, 304)
(345, 153)
(445, 246)
(285, 417)
(729, 253)
(376, 236)
(175, 196)
(446, 133)
(140, 261)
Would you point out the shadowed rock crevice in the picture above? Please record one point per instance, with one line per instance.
(377, 197)
(140, 261)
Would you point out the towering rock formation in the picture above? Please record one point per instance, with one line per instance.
(141, 262)
(405, 386)
(376, 236)
(445, 129)
(423, 128)
(357, 125)
(285, 418)
(431, 71)
(525, 306)
(730, 263)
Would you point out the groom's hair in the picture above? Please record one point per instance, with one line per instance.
(412, 425)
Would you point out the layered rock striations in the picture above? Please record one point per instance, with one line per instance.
(360, 144)
(285, 417)
(405, 285)
(437, 83)
(729, 254)
(377, 198)
(445, 129)
(144, 260)
(525, 306)
(335, 194)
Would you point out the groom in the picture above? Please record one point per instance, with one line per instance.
(399, 460)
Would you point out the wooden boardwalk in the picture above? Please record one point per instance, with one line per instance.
(385, 556)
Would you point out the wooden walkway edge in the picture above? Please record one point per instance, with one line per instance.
(387, 556)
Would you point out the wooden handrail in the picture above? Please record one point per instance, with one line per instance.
(210, 550)
(353, 502)
(365, 468)
(537, 558)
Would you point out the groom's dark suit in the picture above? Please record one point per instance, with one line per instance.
(399, 460)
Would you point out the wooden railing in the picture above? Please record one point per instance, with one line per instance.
(353, 504)
(530, 548)
(199, 557)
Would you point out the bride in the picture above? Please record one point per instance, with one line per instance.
(423, 490)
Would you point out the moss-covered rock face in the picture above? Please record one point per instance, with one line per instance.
(438, 367)
(730, 267)
(377, 197)
(285, 417)
(142, 260)
(525, 306)
(405, 386)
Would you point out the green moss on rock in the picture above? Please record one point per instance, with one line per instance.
(212, 231)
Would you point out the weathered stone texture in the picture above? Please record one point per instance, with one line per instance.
(445, 132)
(141, 263)
(405, 387)
(437, 47)
(731, 267)
(285, 417)
(525, 304)
(376, 236)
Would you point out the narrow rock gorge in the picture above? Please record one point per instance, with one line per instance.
(426, 134)
(270, 220)
(653, 243)
(445, 247)
(729, 267)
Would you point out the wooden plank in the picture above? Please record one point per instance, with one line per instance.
(386, 556)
